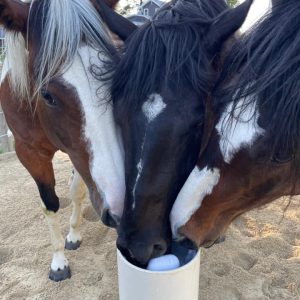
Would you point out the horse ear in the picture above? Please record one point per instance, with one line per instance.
(115, 22)
(228, 23)
(14, 15)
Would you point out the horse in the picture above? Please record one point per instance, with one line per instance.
(159, 93)
(52, 102)
(252, 156)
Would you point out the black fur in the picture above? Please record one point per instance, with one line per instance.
(49, 197)
(172, 46)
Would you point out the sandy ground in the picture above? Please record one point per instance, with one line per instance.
(259, 260)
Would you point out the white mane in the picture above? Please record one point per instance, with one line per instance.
(17, 64)
(67, 22)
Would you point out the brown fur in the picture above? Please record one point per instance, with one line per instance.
(245, 184)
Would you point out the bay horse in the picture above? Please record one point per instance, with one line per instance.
(253, 153)
(52, 102)
(159, 94)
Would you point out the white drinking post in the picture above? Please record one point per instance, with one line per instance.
(140, 284)
(4, 141)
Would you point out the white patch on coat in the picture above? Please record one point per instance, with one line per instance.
(99, 130)
(153, 107)
(199, 184)
(238, 131)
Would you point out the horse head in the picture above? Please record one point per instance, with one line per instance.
(53, 47)
(160, 90)
(252, 156)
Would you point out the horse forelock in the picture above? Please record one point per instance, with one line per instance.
(17, 63)
(61, 26)
(268, 57)
(171, 47)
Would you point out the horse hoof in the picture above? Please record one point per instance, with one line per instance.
(71, 245)
(60, 275)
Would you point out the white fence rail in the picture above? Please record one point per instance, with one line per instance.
(6, 138)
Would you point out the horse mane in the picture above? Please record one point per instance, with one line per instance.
(265, 68)
(60, 26)
(16, 61)
(170, 48)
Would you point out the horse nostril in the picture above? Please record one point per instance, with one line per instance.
(159, 249)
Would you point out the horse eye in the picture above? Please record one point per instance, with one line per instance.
(49, 99)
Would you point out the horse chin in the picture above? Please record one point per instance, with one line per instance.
(209, 243)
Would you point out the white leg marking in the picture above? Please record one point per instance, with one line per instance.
(106, 149)
(153, 107)
(59, 261)
(199, 184)
(239, 131)
(78, 192)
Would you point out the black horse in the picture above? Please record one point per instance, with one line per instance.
(160, 91)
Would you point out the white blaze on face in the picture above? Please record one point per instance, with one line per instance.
(199, 184)
(139, 168)
(104, 140)
(239, 131)
(153, 107)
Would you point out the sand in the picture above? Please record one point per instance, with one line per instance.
(260, 258)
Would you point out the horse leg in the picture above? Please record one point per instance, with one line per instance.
(78, 192)
(39, 165)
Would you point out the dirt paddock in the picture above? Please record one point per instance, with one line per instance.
(259, 260)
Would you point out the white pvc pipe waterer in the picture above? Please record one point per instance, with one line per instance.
(141, 284)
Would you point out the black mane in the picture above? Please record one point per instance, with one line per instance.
(169, 48)
(267, 61)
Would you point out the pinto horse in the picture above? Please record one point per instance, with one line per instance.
(253, 153)
(52, 102)
(159, 93)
